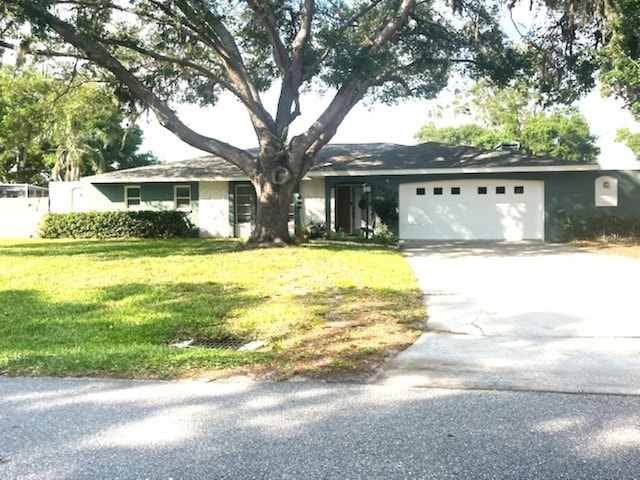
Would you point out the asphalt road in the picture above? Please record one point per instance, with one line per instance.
(108, 429)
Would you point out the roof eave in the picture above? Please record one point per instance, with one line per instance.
(119, 180)
(460, 170)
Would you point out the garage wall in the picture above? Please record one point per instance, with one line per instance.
(573, 194)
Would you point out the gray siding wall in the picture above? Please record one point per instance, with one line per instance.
(573, 194)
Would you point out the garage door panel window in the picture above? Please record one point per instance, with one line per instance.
(501, 190)
(455, 190)
(420, 191)
(437, 190)
(482, 190)
(518, 190)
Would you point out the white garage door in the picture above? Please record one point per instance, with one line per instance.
(488, 209)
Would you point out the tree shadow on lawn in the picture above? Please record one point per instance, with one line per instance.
(122, 331)
(125, 331)
(117, 249)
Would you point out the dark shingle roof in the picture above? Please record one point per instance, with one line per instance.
(430, 155)
(362, 159)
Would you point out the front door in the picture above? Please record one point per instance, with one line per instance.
(349, 215)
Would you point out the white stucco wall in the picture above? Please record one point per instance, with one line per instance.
(312, 192)
(68, 197)
(214, 209)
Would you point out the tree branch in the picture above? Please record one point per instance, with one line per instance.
(226, 47)
(325, 127)
(42, 52)
(167, 118)
(387, 31)
(279, 50)
(294, 76)
(352, 91)
(348, 24)
(176, 61)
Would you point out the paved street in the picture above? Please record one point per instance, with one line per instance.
(523, 316)
(102, 429)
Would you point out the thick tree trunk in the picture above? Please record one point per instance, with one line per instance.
(274, 189)
(272, 217)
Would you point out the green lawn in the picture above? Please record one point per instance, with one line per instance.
(112, 308)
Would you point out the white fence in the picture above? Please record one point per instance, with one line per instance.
(21, 210)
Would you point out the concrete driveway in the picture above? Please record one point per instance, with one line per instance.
(524, 316)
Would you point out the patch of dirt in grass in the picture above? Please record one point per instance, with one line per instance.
(348, 343)
(627, 249)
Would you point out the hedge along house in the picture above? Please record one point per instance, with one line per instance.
(442, 192)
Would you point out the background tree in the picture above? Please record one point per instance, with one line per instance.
(50, 128)
(470, 134)
(630, 139)
(88, 134)
(513, 114)
(23, 110)
(562, 134)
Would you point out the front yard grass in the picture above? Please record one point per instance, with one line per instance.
(113, 308)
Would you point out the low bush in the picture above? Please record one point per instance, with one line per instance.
(576, 228)
(117, 224)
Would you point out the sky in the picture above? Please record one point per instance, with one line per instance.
(229, 122)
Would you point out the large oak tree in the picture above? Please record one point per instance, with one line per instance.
(161, 52)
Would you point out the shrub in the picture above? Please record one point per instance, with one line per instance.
(382, 234)
(386, 208)
(576, 228)
(118, 224)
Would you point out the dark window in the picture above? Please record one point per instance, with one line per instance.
(182, 198)
(437, 190)
(501, 190)
(518, 190)
(455, 190)
(132, 197)
(243, 203)
(482, 190)
(420, 191)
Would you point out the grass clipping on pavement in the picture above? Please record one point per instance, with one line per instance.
(114, 308)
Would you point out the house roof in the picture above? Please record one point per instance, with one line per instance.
(360, 160)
